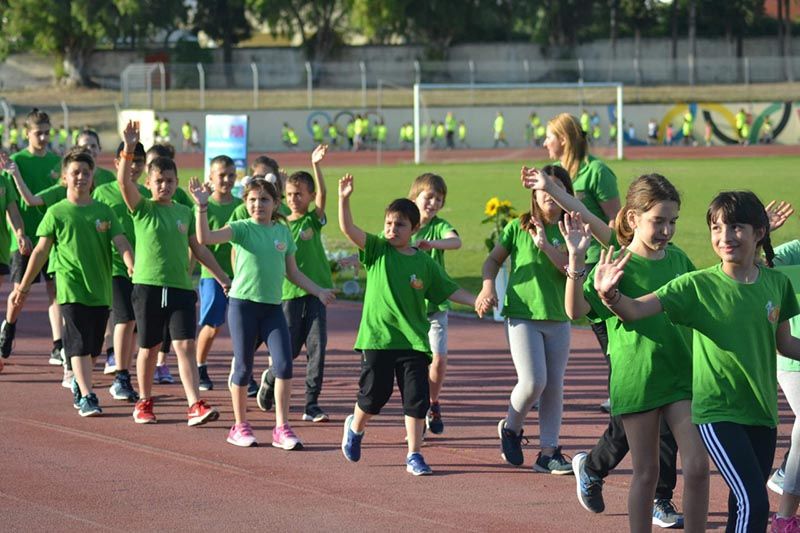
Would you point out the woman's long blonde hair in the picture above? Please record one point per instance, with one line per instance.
(576, 150)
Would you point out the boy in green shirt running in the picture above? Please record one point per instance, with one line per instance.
(79, 227)
(393, 334)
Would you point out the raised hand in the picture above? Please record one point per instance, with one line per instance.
(24, 245)
(346, 186)
(539, 236)
(609, 272)
(130, 135)
(535, 179)
(8, 164)
(577, 235)
(778, 214)
(319, 154)
(199, 191)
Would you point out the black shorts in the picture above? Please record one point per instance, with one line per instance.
(122, 307)
(84, 329)
(19, 263)
(163, 308)
(378, 371)
(5, 270)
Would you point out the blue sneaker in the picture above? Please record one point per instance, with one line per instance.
(351, 442)
(111, 364)
(76, 394)
(89, 406)
(415, 464)
(665, 515)
(590, 488)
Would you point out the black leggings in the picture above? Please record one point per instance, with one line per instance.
(743, 455)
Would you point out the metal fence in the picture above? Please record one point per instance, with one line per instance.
(151, 84)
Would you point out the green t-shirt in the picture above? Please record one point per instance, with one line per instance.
(240, 213)
(788, 255)
(595, 183)
(310, 256)
(394, 315)
(162, 244)
(435, 229)
(8, 195)
(183, 198)
(535, 286)
(51, 196)
(81, 232)
(651, 359)
(734, 363)
(103, 176)
(39, 173)
(110, 195)
(218, 216)
(260, 265)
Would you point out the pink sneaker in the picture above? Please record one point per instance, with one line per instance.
(785, 525)
(284, 437)
(242, 435)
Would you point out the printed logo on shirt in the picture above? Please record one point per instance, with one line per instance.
(560, 246)
(307, 234)
(773, 312)
(182, 227)
(280, 245)
(102, 225)
(416, 283)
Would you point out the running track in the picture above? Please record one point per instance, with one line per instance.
(61, 472)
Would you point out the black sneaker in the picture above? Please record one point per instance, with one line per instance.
(553, 464)
(314, 413)
(205, 381)
(76, 394)
(56, 357)
(7, 332)
(252, 388)
(433, 420)
(511, 444)
(590, 488)
(266, 393)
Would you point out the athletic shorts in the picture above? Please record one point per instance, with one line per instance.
(122, 307)
(376, 383)
(19, 263)
(160, 308)
(437, 334)
(84, 329)
(213, 303)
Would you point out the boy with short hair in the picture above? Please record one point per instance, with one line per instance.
(213, 300)
(393, 334)
(162, 289)
(305, 313)
(80, 228)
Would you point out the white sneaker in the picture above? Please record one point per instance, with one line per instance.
(67, 381)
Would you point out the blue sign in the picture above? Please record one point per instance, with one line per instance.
(226, 135)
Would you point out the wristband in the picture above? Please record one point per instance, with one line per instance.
(575, 274)
(614, 300)
(127, 156)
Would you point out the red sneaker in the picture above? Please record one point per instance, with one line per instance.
(200, 413)
(143, 412)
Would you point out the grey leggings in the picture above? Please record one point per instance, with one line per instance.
(790, 383)
(539, 349)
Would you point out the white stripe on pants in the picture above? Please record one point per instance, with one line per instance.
(790, 384)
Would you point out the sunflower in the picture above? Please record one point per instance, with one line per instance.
(491, 206)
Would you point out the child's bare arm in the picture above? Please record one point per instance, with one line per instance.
(450, 241)
(487, 298)
(125, 250)
(463, 297)
(18, 225)
(319, 180)
(356, 235)
(577, 236)
(130, 192)
(35, 264)
(293, 274)
(788, 345)
(208, 260)
(205, 236)
(607, 276)
(24, 191)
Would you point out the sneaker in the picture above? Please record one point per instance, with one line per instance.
(66, 381)
(511, 444)
(314, 413)
(553, 464)
(415, 464)
(111, 364)
(56, 357)
(665, 515)
(205, 381)
(143, 412)
(266, 394)
(163, 375)
(775, 482)
(351, 442)
(7, 332)
(122, 389)
(606, 406)
(284, 437)
(782, 524)
(252, 388)
(89, 406)
(200, 413)
(242, 435)
(590, 488)
(433, 420)
(76, 393)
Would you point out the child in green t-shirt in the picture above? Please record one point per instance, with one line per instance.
(434, 236)
(305, 315)
(393, 334)
(89, 140)
(537, 325)
(264, 255)
(79, 227)
(163, 296)
(651, 359)
(739, 311)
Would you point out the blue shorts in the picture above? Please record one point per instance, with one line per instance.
(213, 303)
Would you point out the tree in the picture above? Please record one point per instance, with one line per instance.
(225, 22)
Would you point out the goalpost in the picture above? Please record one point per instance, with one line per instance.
(481, 102)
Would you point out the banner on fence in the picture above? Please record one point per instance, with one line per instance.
(226, 135)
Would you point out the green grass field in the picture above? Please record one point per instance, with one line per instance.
(471, 185)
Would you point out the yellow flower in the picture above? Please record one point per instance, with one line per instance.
(491, 206)
(505, 203)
